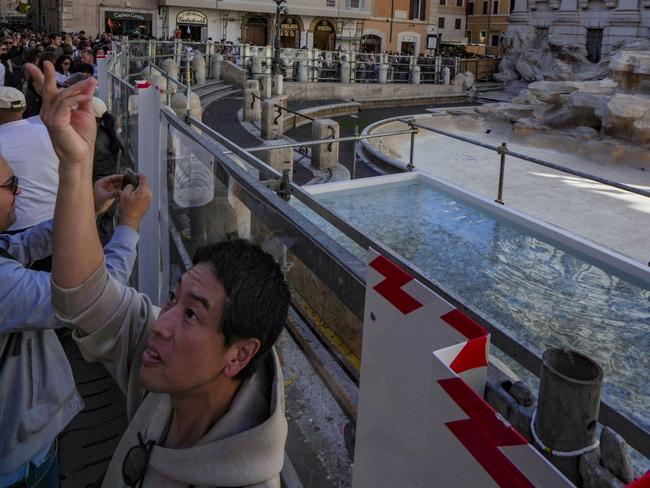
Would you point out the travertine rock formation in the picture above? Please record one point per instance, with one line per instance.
(587, 108)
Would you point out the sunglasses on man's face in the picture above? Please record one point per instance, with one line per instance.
(12, 185)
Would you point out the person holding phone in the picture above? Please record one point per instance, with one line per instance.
(204, 386)
(39, 397)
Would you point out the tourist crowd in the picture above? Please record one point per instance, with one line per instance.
(203, 385)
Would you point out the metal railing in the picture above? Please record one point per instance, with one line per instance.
(503, 151)
(342, 273)
(322, 66)
(352, 289)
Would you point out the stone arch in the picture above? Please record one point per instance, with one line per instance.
(405, 36)
(378, 33)
(321, 36)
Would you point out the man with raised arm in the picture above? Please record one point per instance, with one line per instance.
(38, 397)
(204, 388)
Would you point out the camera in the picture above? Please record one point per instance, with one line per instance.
(130, 178)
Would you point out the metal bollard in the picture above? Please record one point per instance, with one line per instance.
(564, 425)
(502, 170)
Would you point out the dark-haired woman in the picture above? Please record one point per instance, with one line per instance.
(62, 66)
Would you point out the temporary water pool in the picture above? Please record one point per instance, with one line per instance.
(543, 286)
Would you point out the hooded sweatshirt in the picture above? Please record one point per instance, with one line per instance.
(245, 447)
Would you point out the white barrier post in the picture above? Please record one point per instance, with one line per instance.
(149, 164)
(422, 420)
(102, 78)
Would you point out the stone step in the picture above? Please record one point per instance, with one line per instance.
(214, 90)
(206, 101)
(206, 87)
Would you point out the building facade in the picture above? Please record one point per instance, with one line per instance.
(326, 25)
(594, 25)
(414, 26)
(487, 22)
(123, 17)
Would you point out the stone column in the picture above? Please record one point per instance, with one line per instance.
(324, 156)
(302, 71)
(272, 119)
(279, 159)
(566, 25)
(217, 60)
(383, 74)
(278, 85)
(520, 14)
(252, 105)
(265, 86)
(345, 72)
(198, 68)
(179, 105)
(256, 66)
(415, 75)
(446, 76)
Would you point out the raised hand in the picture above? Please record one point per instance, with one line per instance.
(68, 115)
(134, 203)
(105, 190)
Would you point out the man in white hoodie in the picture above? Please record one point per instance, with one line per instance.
(204, 388)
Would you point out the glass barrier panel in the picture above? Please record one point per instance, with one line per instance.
(206, 204)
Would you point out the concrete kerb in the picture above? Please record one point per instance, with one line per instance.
(329, 111)
(379, 155)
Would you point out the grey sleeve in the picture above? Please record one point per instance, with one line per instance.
(109, 320)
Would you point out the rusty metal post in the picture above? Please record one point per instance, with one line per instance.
(411, 166)
(564, 425)
(502, 169)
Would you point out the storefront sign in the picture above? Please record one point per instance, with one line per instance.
(408, 39)
(324, 26)
(290, 25)
(191, 17)
(128, 16)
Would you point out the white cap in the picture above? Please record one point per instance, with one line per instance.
(99, 107)
(11, 98)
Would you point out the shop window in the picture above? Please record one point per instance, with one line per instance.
(494, 40)
(483, 35)
(290, 33)
(441, 22)
(325, 36)
(355, 4)
(371, 44)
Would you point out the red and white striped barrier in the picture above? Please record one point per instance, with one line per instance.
(422, 420)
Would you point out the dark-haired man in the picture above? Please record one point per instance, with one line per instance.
(204, 387)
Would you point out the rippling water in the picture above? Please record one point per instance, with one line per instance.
(537, 292)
